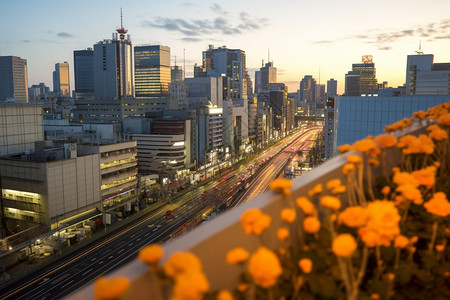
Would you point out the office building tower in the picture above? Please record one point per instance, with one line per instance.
(152, 71)
(230, 63)
(176, 73)
(113, 67)
(61, 81)
(307, 90)
(13, 78)
(331, 88)
(362, 78)
(266, 74)
(38, 92)
(83, 61)
(423, 77)
(320, 94)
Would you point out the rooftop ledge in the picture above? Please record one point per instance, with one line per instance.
(212, 240)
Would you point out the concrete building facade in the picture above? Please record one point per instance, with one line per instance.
(13, 78)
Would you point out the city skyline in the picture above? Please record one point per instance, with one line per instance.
(303, 38)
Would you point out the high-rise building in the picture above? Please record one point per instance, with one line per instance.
(83, 61)
(266, 74)
(230, 63)
(176, 73)
(38, 92)
(320, 94)
(13, 78)
(113, 67)
(61, 81)
(362, 78)
(307, 90)
(423, 77)
(152, 71)
(331, 88)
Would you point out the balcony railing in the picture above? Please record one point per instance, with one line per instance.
(211, 241)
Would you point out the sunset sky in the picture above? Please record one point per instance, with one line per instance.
(303, 36)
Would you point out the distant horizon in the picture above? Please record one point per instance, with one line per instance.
(303, 38)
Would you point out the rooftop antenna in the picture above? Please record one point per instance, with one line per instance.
(175, 60)
(262, 63)
(420, 48)
(319, 75)
(268, 55)
(121, 31)
(184, 60)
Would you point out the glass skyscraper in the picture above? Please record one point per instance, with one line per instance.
(152, 71)
(83, 61)
(13, 78)
(61, 83)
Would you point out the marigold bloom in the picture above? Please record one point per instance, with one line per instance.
(411, 193)
(224, 295)
(385, 140)
(354, 159)
(401, 241)
(414, 239)
(344, 245)
(402, 178)
(264, 267)
(374, 296)
(439, 248)
(348, 168)
(237, 255)
(433, 127)
(364, 146)
(181, 262)
(344, 148)
(374, 162)
(438, 134)
(354, 216)
(281, 185)
(419, 115)
(444, 120)
(369, 237)
(151, 254)
(438, 205)
(386, 190)
(288, 215)
(254, 221)
(242, 287)
(105, 289)
(190, 285)
(333, 183)
(311, 224)
(305, 265)
(383, 220)
(316, 190)
(339, 190)
(330, 202)
(426, 176)
(305, 205)
(282, 234)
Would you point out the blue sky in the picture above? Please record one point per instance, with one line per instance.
(303, 36)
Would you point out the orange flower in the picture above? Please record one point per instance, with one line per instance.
(439, 248)
(374, 162)
(333, 183)
(254, 221)
(426, 176)
(115, 288)
(444, 120)
(264, 267)
(305, 205)
(383, 220)
(316, 190)
(339, 190)
(369, 237)
(281, 185)
(181, 262)
(305, 265)
(311, 224)
(354, 159)
(402, 178)
(242, 287)
(190, 285)
(386, 190)
(354, 216)
(348, 168)
(386, 140)
(364, 146)
(438, 205)
(224, 295)
(411, 144)
(419, 115)
(411, 193)
(330, 202)
(401, 241)
(432, 127)
(237, 255)
(344, 245)
(344, 148)
(288, 215)
(438, 134)
(282, 234)
(151, 254)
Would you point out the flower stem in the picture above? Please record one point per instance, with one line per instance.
(397, 257)
(433, 236)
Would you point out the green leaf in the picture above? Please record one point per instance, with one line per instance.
(323, 285)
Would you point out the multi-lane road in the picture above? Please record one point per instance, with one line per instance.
(234, 187)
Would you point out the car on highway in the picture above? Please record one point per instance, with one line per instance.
(169, 214)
